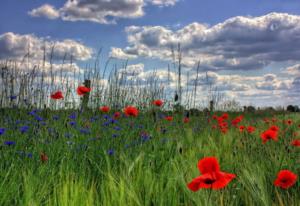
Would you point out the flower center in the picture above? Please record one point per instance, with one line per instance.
(209, 181)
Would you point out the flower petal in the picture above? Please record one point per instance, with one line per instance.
(208, 165)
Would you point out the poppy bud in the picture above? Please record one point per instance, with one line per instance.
(187, 114)
(180, 150)
(154, 116)
(176, 97)
(44, 157)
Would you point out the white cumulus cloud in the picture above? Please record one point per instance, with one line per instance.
(46, 10)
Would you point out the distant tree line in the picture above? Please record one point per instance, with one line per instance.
(293, 108)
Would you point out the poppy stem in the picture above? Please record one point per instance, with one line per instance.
(209, 194)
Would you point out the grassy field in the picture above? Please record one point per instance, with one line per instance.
(96, 160)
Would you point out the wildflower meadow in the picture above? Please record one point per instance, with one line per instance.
(156, 157)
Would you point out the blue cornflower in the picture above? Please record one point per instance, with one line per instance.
(9, 143)
(24, 129)
(12, 97)
(105, 116)
(85, 131)
(43, 123)
(114, 135)
(110, 151)
(117, 128)
(161, 116)
(23, 154)
(105, 124)
(141, 126)
(93, 119)
(55, 117)
(73, 123)
(2, 131)
(113, 121)
(33, 112)
(145, 137)
(72, 116)
(38, 118)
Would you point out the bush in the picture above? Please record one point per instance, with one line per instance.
(292, 108)
(195, 112)
(250, 109)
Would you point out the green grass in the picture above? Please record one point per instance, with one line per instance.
(155, 172)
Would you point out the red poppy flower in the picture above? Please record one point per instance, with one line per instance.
(214, 126)
(220, 120)
(289, 122)
(224, 130)
(212, 177)
(250, 129)
(81, 90)
(117, 115)
(274, 120)
(169, 118)
(214, 116)
(241, 128)
(104, 109)
(274, 128)
(225, 116)
(223, 124)
(131, 111)
(266, 120)
(57, 95)
(158, 102)
(269, 134)
(186, 120)
(44, 157)
(285, 179)
(296, 143)
(237, 120)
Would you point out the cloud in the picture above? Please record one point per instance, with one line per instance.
(296, 85)
(132, 70)
(120, 54)
(40, 51)
(271, 82)
(16, 46)
(99, 11)
(135, 75)
(163, 2)
(292, 70)
(239, 43)
(46, 10)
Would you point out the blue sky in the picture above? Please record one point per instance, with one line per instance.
(160, 17)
